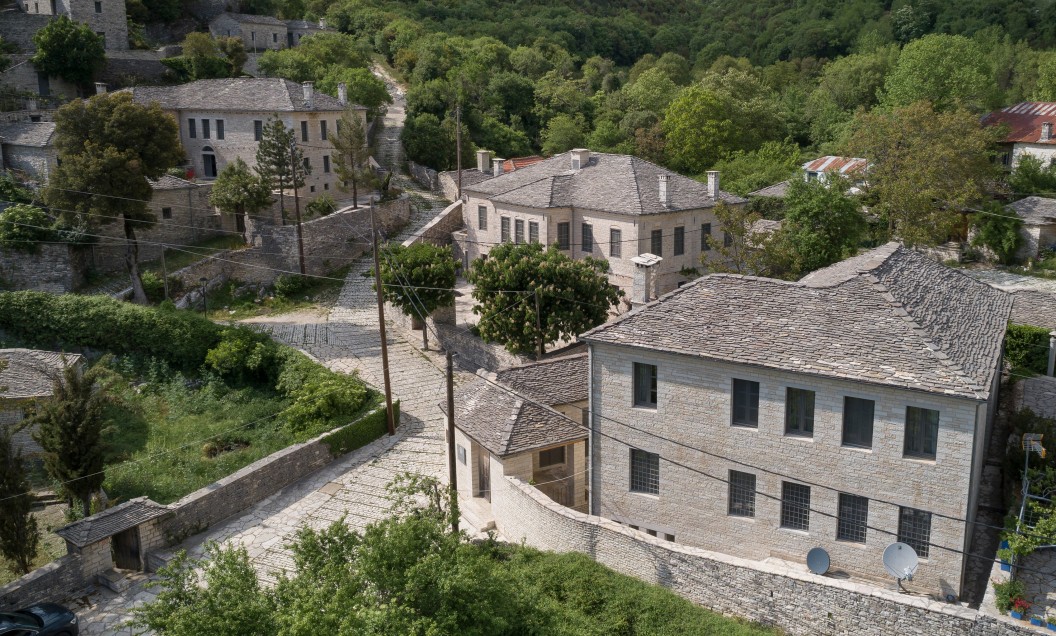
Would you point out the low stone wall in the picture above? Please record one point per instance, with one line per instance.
(438, 231)
(426, 177)
(54, 581)
(56, 268)
(787, 597)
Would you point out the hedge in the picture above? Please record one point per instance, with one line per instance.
(361, 432)
(1027, 347)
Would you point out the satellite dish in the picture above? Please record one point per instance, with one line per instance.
(900, 561)
(818, 561)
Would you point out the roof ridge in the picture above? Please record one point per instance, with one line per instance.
(637, 189)
(506, 434)
(536, 363)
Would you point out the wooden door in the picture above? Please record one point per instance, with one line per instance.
(125, 548)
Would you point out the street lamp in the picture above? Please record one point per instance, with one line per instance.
(205, 295)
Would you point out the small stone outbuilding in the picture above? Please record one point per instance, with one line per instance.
(1039, 225)
(27, 148)
(27, 378)
(118, 538)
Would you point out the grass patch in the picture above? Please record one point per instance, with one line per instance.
(178, 259)
(226, 304)
(51, 547)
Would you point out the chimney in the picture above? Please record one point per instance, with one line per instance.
(713, 184)
(100, 88)
(496, 166)
(580, 158)
(1052, 352)
(663, 190)
(1046, 131)
(483, 161)
(309, 94)
(642, 284)
(342, 93)
(322, 23)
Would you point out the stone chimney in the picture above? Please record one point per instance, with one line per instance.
(642, 285)
(309, 94)
(580, 158)
(713, 184)
(483, 161)
(663, 190)
(496, 166)
(1046, 131)
(342, 93)
(322, 23)
(100, 88)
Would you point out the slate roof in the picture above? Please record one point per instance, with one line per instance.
(552, 382)
(614, 183)
(1024, 121)
(252, 94)
(29, 372)
(1035, 210)
(246, 18)
(305, 25)
(505, 423)
(36, 134)
(111, 521)
(169, 182)
(776, 191)
(890, 316)
(1033, 307)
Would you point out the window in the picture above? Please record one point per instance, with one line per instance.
(166, 213)
(518, 231)
(852, 517)
(482, 217)
(705, 234)
(656, 240)
(192, 128)
(307, 165)
(460, 450)
(727, 239)
(322, 130)
(857, 422)
(645, 472)
(205, 129)
(615, 240)
(644, 385)
(258, 130)
(914, 529)
(552, 457)
(326, 163)
(651, 533)
(533, 232)
(219, 128)
(563, 239)
(98, 7)
(742, 494)
(669, 537)
(274, 37)
(253, 36)
(326, 186)
(311, 188)
(799, 412)
(795, 506)
(588, 238)
(304, 131)
(680, 241)
(504, 234)
(745, 403)
(922, 430)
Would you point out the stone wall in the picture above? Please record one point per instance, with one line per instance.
(426, 177)
(125, 68)
(787, 596)
(438, 231)
(56, 268)
(37, 163)
(18, 28)
(22, 76)
(56, 580)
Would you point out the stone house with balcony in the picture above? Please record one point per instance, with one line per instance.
(1029, 126)
(223, 119)
(763, 418)
(27, 378)
(525, 421)
(613, 207)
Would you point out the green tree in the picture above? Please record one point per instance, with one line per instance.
(998, 229)
(1032, 177)
(69, 50)
(563, 133)
(950, 71)
(745, 172)
(234, 51)
(24, 227)
(273, 159)
(108, 148)
(12, 190)
(364, 88)
(239, 192)
(19, 536)
(822, 225)
(559, 298)
(925, 166)
(418, 280)
(71, 424)
(351, 153)
(740, 249)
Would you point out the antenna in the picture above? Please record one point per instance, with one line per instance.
(818, 561)
(900, 561)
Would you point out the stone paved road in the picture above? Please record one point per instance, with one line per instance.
(353, 488)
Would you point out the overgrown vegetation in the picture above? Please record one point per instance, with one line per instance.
(1026, 349)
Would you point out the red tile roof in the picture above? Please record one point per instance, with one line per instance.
(1024, 121)
(517, 163)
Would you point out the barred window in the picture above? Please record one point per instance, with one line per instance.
(705, 234)
(645, 472)
(588, 238)
(799, 412)
(533, 232)
(742, 494)
(518, 231)
(795, 506)
(852, 518)
(656, 238)
(258, 130)
(922, 430)
(482, 217)
(504, 229)
(564, 239)
(680, 240)
(644, 385)
(615, 241)
(914, 529)
(552, 457)
(745, 403)
(857, 422)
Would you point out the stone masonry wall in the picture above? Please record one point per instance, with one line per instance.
(789, 597)
(56, 268)
(426, 177)
(438, 231)
(54, 581)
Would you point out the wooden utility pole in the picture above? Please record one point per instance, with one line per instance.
(297, 206)
(452, 476)
(458, 146)
(389, 423)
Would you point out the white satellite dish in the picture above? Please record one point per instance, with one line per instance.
(900, 561)
(818, 561)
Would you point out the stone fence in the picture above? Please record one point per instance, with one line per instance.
(438, 231)
(788, 597)
(426, 177)
(57, 268)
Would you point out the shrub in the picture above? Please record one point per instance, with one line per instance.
(361, 432)
(153, 285)
(289, 285)
(322, 206)
(22, 227)
(1026, 348)
(243, 354)
(317, 393)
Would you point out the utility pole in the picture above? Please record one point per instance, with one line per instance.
(458, 146)
(538, 326)
(297, 206)
(164, 273)
(452, 476)
(389, 423)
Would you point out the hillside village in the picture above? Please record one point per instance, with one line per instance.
(357, 317)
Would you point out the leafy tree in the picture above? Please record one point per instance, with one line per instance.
(24, 227)
(418, 280)
(19, 536)
(563, 133)
(239, 192)
(108, 148)
(925, 166)
(273, 159)
(364, 88)
(822, 225)
(740, 249)
(561, 297)
(234, 51)
(69, 50)
(950, 71)
(12, 190)
(351, 154)
(71, 424)
(1032, 177)
(1045, 89)
(745, 172)
(998, 229)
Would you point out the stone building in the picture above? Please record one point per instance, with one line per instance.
(1039, 225)
(763, 418)
(221, 119)
(28, 378)
(297, 29)
(614, 207)
(107, 18)
(26, 147)
(258, 32)
(526, 422)
(1030, 131)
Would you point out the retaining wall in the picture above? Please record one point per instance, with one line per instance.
(54, 581)
(438, 231)
(426, 177)
(56, 268)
